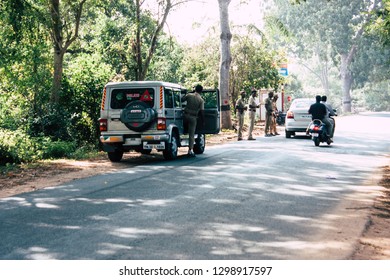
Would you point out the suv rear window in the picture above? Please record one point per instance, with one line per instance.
(210, 102)
(121, 97)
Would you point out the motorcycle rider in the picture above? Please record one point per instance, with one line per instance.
(319, 111)
(330, 114)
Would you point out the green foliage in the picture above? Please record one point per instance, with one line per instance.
(374, 96)
(32, 127)
(85, 78)
(324, 32)
(19, 147)
(381, 24)
(16, 147)
(254, 65)
(57, 149)
(167, 61)
(200, 64)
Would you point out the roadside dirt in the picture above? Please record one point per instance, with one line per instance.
(374, 244)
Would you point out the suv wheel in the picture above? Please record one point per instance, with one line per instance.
(171, 149)
(115, 156)
(200, 144)
(138, 116)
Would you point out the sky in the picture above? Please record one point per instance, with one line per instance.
(190, 21)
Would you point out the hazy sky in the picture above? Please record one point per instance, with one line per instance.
(189, 22)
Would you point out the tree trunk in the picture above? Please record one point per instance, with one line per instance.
(57, 76)
(61, 45)
(226, 36)
(143, 65)
(137, 46)
(58, 55)
(346, 78)
(347, 57)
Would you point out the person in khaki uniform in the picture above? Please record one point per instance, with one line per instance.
(195, 105)
(240, 113)
(252, 113)
(268, 114)
(275, 112)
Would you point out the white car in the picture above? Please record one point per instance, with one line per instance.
(297, 116)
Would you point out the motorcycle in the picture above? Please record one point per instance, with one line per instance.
(280, 118)
(318, 132)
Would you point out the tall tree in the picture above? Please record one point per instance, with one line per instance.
(225, 61)
(338, 25)
(143, 62)
(254, 65)
(64, 26)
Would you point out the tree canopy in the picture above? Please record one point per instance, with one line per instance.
(56, 56)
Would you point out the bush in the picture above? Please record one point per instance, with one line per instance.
(57, 149)
(16, 147)
(85, 152)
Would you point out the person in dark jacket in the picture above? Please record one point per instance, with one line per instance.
(319, 111)
(331, 113)
(269, 110)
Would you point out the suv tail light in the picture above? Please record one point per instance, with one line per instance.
(290, 115)
(161, 124)
(102, 106)
(103, 125)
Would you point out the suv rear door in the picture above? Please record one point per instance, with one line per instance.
(211, 112)
(173, 108)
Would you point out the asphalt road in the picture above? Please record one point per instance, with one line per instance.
(273, 198)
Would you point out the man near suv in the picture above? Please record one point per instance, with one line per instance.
(194, 107)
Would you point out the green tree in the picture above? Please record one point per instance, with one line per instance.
(85, 78)
(64, 28)
(200, 63)
(333, 30)
(380, 25)
(24, 64)
(143, 58)
(254, 65)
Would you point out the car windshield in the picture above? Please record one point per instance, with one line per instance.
(302, 104)
(121, 97)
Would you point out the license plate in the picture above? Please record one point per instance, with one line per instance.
(148, 146)
(133, 141)
(314, 134)
(306, 117)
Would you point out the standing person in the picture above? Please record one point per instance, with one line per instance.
(319, 111)
(240, 113)
(330, 114)
(274, 131)
(194, 107)
(252, 113)
(268, 114)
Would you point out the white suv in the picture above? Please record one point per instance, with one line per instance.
(148, 115)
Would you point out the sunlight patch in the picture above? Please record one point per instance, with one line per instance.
(46, 205)
(137, 232)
